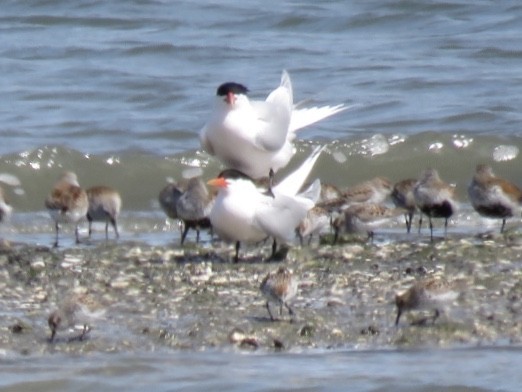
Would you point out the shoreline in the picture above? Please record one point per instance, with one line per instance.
(147, 297)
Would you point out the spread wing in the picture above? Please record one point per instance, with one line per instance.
(306, 116)
(280, 216)
(292, 183)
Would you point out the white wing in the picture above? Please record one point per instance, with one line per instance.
(306, 116)
(280, 217)
(205, 143)
(292, 183)
(313, 192)
(274, 116)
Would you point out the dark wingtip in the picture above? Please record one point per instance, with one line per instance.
(231, 87)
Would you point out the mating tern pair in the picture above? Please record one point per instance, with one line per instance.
(254, 139)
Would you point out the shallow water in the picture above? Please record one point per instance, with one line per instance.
(117, 91)
(482, 369)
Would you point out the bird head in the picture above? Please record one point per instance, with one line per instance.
(229, 92)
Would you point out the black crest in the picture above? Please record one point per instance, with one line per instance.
(233, 174)
(231, 87)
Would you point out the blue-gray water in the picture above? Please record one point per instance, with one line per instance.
(469, 370)
(118, 90)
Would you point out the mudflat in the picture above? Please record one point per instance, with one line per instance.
(134, 296)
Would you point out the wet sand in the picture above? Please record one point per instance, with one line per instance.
(194, 298)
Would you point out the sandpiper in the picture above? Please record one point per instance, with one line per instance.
(428, 294)
(193, 207)
(168, 199)
(364, 218)
(279, 286)
(75, 313)
(494, 197)
(403, 197)
(434, 198)
(104, 206)
(373, 191)
(316, 220)
(67, 203)
(329, 192)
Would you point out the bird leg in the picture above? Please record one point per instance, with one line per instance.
(336, 235)
(409, 219)
(85, 331)
(301, 239)
(309, 239)
(57, 229)
(77, 234)
(115, 227)
(184, 234)
(53, 335)
(236, 257)
(269, 312)
(81, 336)
(90, 225)
(290, 310)
(271, 183)
(399, 312)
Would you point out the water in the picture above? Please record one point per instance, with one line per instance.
(428, 371)
(117, 91)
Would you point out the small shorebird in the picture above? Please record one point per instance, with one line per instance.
(329, 192)
(279, 286)
(403, 197)
(104, 206)
(168, 199)
(434, 198)
(428, 294)
(5, 207)
(364, 218)
(75, 313)
(494, 197)
(190, 203)
(255, 137)
(193, 207)
(67, 203)
(315, 221)
(373, 191)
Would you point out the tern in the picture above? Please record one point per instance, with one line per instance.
(256, 137)
(244, 213)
